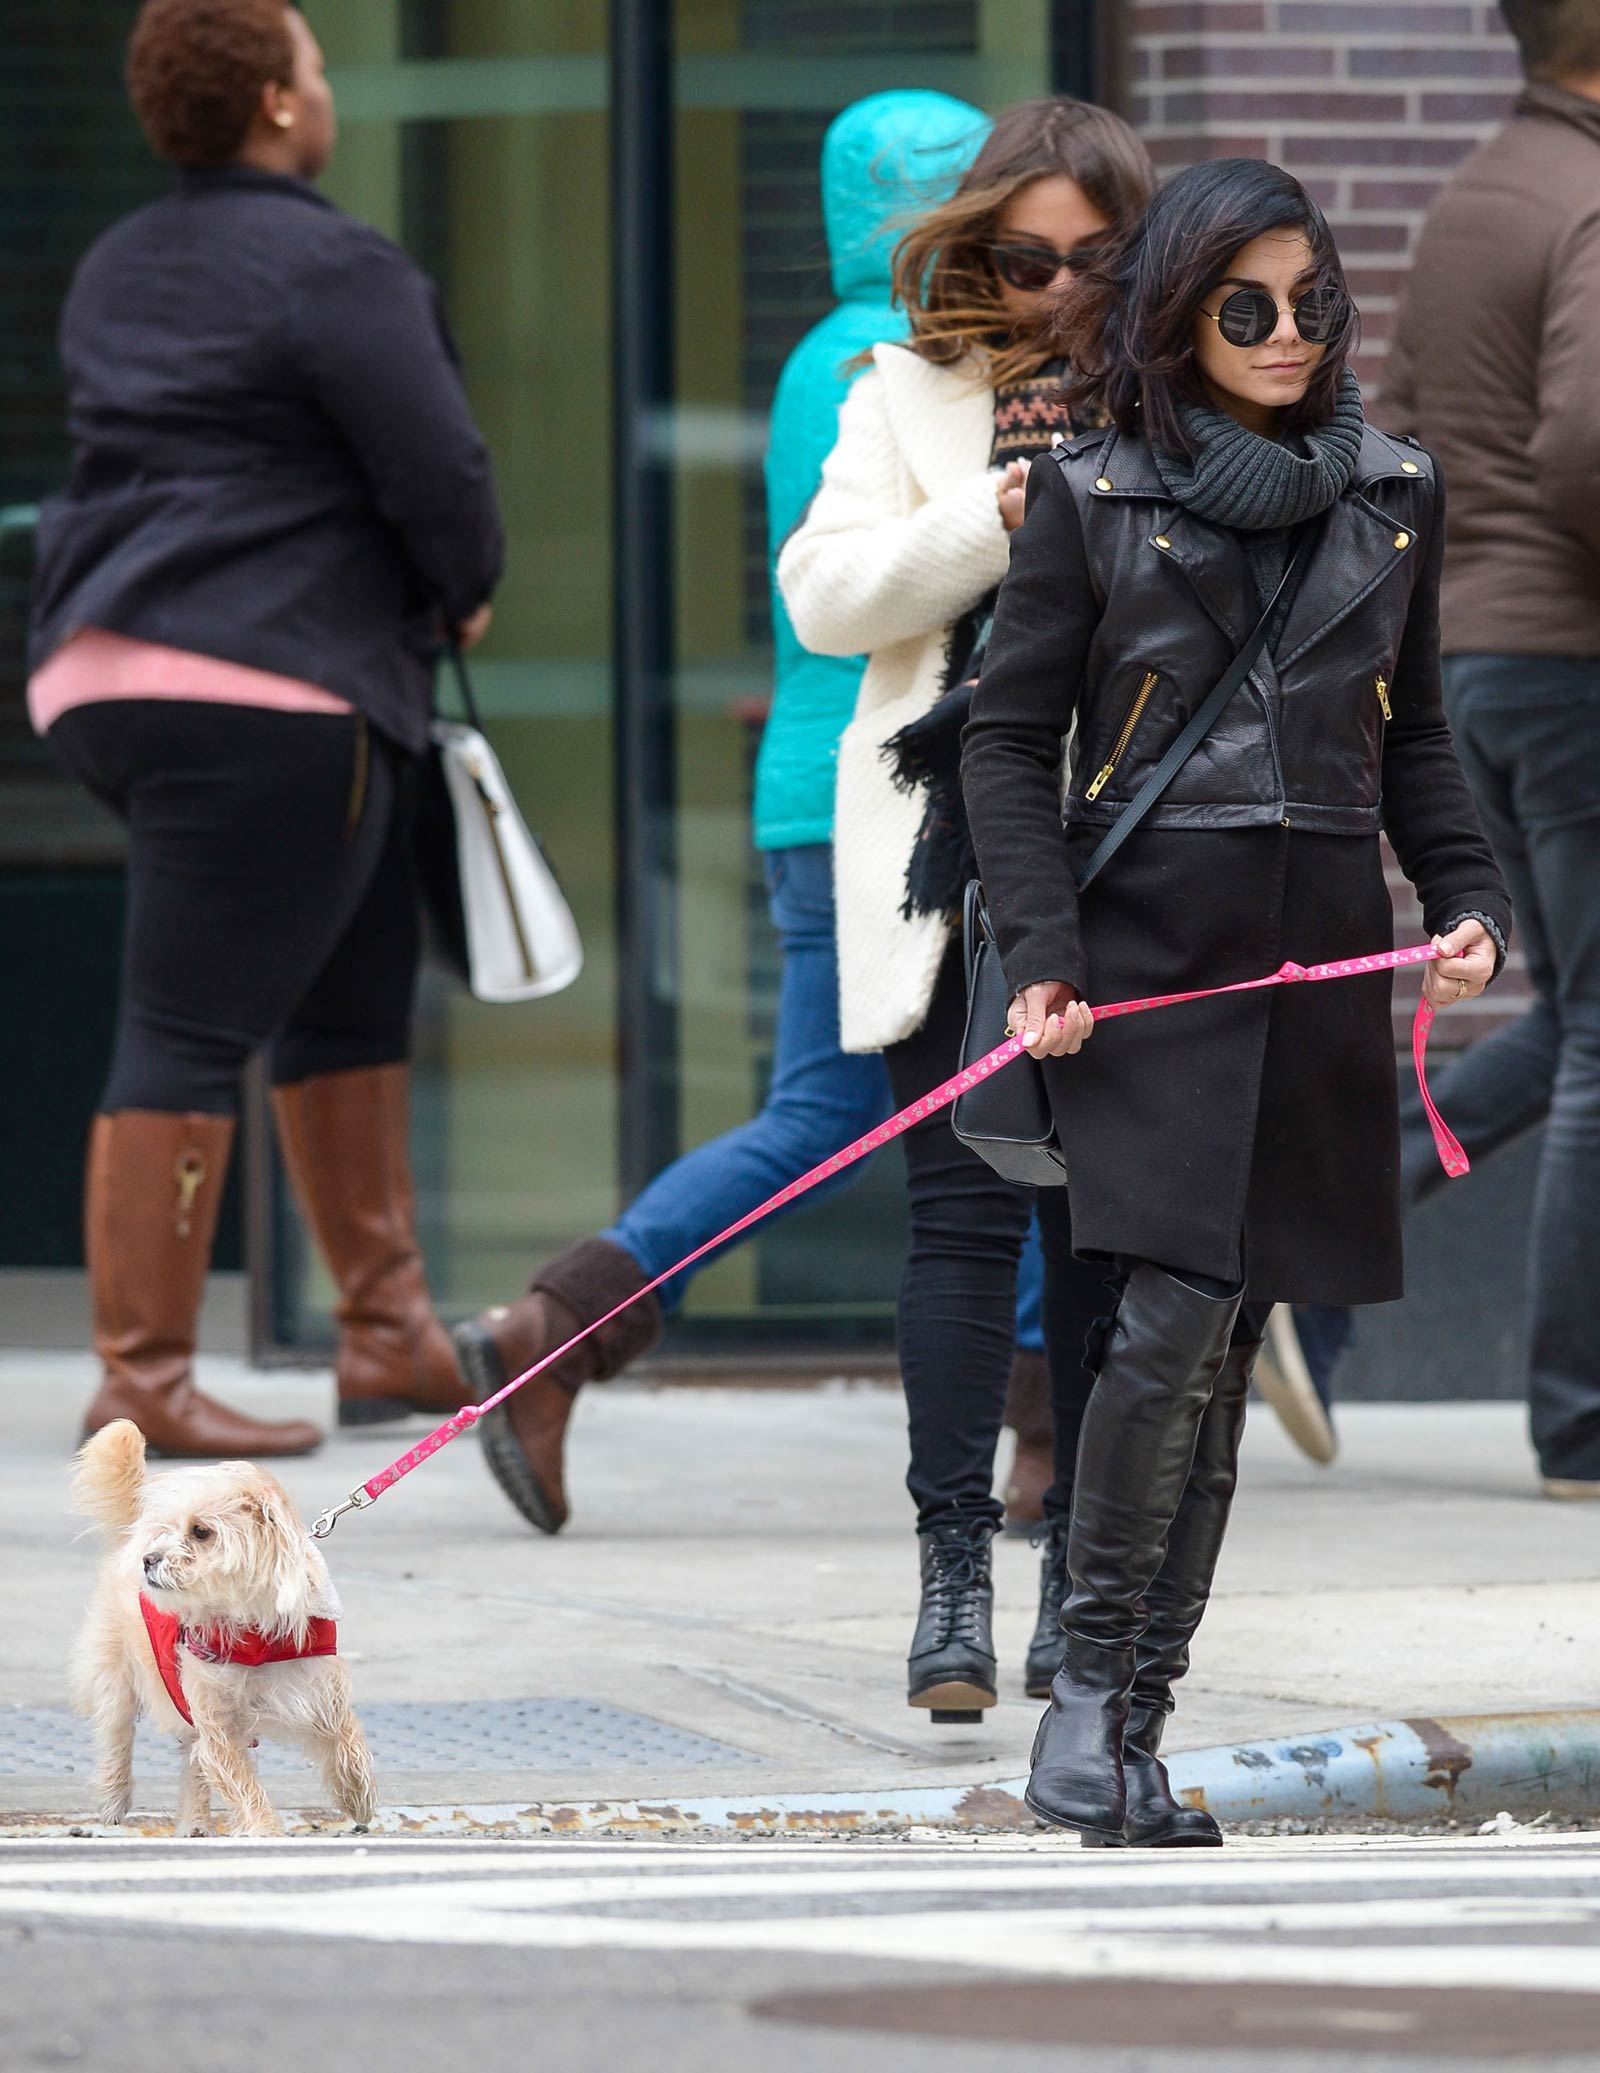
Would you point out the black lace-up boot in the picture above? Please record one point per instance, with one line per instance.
(1048, 1645)
(1138, 1442)
(1156, 1818)
(951, 1668)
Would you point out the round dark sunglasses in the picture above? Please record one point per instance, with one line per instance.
(1032, 267)
(1250, 316)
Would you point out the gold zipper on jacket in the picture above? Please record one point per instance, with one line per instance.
(1381, 684)
(491, 816)
(1119, 748)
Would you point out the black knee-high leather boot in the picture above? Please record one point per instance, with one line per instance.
(1134, 1456)
(1156, 1819)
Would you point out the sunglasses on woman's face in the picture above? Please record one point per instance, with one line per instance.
(1250, 316)
(1033, 267)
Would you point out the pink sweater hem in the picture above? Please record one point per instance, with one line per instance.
(93, 665)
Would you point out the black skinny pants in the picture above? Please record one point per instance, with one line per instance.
(957, 1316)
(270, 894)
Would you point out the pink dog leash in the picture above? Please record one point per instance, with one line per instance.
(1453, 1158)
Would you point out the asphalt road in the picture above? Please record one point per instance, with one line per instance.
(885, 1955)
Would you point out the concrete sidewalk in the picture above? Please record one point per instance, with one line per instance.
(728, 1613)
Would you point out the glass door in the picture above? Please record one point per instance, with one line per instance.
(476, 132)
(622, 207)
(753, 87)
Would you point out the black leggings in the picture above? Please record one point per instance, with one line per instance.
(270, 894)
(957, 1320)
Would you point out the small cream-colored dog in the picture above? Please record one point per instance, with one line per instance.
(214, 1614)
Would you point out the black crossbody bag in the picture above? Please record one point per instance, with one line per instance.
(1006, 1118)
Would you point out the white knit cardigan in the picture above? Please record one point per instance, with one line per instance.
(903, 536)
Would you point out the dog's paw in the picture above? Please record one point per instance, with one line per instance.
(255, 1825)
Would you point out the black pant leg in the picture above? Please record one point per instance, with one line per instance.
(1529, 728)
(1080, 1298)
(957, 1317)
(252, 837)
(357, 1011)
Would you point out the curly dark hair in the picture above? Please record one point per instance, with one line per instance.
(196, 69)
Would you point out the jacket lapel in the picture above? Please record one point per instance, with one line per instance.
(1357, 546)
(1216, 567)
(1211, 559)
(943, 419)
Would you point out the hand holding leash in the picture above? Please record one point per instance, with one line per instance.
(1464, 967)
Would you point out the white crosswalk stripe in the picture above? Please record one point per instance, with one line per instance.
(1453, 1914)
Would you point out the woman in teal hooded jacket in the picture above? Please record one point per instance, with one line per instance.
(882, 160)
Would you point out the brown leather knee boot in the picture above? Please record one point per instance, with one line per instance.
(524, 1439)
(151, 1196)
(345, 1138)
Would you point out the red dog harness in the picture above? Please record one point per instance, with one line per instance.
(245, 1645)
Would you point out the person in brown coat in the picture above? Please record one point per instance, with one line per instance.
(1496, 368)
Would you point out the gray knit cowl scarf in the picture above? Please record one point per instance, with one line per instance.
(1250, 484)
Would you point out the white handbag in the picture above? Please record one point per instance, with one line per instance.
(503, 918)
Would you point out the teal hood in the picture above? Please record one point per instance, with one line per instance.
(884, 160)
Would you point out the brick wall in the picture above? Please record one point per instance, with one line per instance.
(1370, 105)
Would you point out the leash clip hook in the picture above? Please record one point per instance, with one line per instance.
(357, 1501)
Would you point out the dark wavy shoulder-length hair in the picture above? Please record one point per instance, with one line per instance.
(1126, 323)
(944, 272)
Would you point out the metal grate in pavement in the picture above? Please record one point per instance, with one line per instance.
(421, 1735)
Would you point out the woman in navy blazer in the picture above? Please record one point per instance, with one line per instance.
(279, 507)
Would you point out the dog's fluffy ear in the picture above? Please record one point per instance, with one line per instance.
(108, 1483)
(296, 1583)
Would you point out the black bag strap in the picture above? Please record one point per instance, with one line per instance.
(974, 923)
(458, 667)
(1199, 726)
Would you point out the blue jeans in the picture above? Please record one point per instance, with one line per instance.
(1527, 730)
(820, 1098)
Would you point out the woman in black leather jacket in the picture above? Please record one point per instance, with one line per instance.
(1255, 1136)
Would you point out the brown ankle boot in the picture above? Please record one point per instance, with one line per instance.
(152, 1192)
(345, 1138)
(1028, 1415)
(524, 1438)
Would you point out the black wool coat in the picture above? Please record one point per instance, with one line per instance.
(274, 461)
(1255, 1136)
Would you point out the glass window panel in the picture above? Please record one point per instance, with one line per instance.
(756, 83)
(503, 195)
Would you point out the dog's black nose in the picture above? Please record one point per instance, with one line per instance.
(151, 1564)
